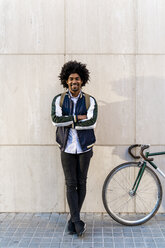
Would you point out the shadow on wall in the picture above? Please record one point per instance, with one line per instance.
(116, 118)
(128, 116)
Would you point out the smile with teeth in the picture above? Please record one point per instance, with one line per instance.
(74, 84)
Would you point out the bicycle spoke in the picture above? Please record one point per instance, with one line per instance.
(125, 180)
(146, 192)
(118, 198)
(138, 208)
(122, 204)
(126, 190)
(145, 183)
(143, 202)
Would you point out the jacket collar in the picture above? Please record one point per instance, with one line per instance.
(79, 95)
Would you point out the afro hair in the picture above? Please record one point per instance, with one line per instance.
(74, 67)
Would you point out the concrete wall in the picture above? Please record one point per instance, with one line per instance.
(123, 44)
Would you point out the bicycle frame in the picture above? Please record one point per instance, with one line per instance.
(141, 171)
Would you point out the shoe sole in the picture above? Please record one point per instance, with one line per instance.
(81, 233)
(71, 233)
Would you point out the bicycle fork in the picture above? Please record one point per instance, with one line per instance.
(132, 192)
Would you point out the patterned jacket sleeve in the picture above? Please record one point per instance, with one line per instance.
(56, 113)
(90, 122)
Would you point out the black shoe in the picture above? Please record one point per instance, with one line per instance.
(71, 227)
(80, 227)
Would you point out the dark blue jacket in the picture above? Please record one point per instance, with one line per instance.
(62, 117)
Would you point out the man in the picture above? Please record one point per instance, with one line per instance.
(75, 113)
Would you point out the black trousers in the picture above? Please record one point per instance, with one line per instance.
(75, 168)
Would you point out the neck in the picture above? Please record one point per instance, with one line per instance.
(75, 94)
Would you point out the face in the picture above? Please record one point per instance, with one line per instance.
(74, 83)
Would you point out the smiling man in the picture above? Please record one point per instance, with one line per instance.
(74, 113)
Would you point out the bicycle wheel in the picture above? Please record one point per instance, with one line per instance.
(124, 207)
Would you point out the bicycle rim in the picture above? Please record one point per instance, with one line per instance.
(130, 209)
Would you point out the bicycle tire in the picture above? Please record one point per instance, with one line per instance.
(139, 208)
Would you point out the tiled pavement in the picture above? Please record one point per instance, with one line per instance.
(49, 230)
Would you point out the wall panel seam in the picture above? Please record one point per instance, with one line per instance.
(91, 54)
(97, 145)
(64, 200)
(136, 49)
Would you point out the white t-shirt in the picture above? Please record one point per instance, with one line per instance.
(73, 144)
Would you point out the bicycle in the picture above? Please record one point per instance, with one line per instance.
(132, 191)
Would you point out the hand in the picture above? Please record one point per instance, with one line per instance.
(82, 117)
